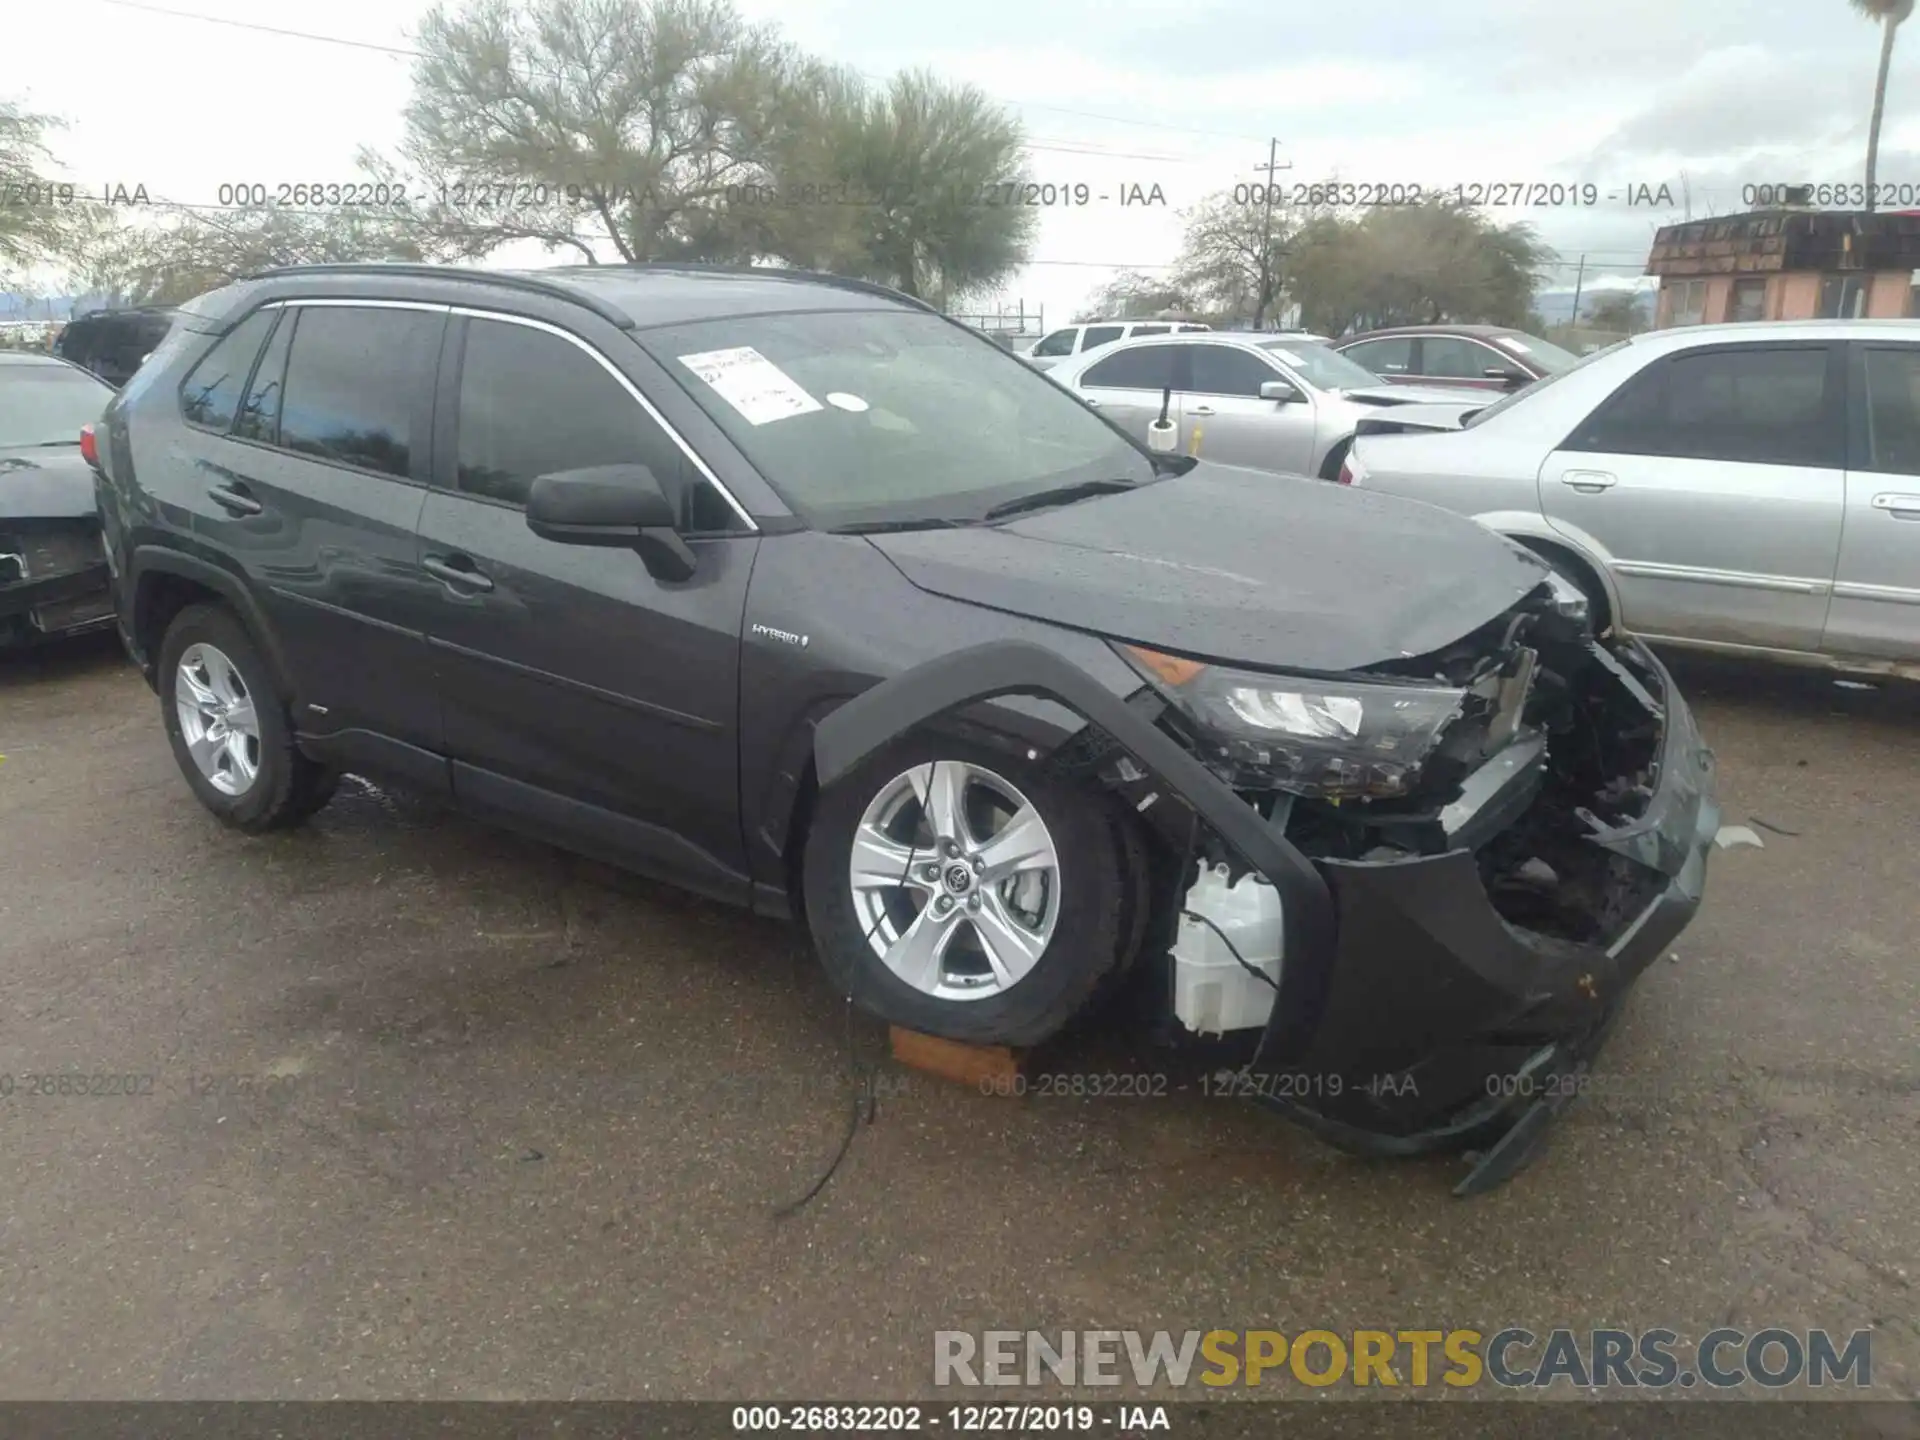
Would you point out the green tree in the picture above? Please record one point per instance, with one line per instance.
(1234, 257)
(1617, 310)
(1889, 14)
(1411, 265)
(571, 122)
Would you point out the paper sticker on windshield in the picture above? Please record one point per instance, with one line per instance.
(1288, 356)
(1510, 343)
(842, 400)
(759, 389)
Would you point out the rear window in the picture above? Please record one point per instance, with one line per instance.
(44, 405)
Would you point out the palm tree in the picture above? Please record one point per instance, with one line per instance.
(1889, 13)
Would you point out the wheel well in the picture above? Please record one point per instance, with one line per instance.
(1576, 569)
(1330, 467)
(161, 596)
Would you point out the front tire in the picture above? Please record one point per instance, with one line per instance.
(963, 892)
(228, 724)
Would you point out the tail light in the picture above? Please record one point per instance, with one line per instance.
(89, 448)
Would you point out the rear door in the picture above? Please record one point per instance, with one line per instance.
(309, 469)
(584, 699)
(1129, 386)
(1715, 478)
(1876, 589)
(1226, 420)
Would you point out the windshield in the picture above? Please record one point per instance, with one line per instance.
(1527, 392)
(1319, 366)
(1546, 356)
(874, 416)
(47, 404)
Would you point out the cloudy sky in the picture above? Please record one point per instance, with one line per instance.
(1701, 96)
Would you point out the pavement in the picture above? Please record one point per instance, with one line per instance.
(418, 1109)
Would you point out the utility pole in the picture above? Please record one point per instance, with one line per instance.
(1579, 277)
(1266, 227)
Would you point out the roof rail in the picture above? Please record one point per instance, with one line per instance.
(778, 272)
(513, 280)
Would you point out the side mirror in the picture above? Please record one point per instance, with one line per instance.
(1513, 377)
(620, 506)
(1280, 391)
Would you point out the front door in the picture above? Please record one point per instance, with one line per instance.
(1227, 421)
(1714, 478)
(584, 700)
(1876, 590)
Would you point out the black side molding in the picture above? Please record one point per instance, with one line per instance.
(888, 710)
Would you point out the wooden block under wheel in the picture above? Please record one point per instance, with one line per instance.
(990, 1069)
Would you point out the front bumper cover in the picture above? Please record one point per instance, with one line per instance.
(1411, 1017)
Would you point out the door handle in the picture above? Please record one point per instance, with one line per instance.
(459, 577)
(1589, 482)
(1202, 410)
(1901, 507)
(1091, 401)
(234, 500)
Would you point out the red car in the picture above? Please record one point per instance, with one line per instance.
(1478, 357)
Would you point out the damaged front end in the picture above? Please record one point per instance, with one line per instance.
(53, 579)
(1463, 860)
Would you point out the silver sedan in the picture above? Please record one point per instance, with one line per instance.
(1749, 488)
(1283, 403)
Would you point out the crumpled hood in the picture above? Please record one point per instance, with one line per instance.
(49, 484)
(1236, 565)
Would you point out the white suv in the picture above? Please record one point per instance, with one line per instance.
(1059, 345)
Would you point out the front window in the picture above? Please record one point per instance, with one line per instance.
(44, 405)
(1320, 365)
(1060, 342)
(880, 416)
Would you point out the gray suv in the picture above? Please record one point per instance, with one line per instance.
(792, 591)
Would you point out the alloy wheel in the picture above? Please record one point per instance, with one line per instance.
(218, 719)
(955, 880)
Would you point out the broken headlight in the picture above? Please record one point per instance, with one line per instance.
(1331, 739)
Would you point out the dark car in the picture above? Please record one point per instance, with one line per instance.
(53, 578)
(1478, 357)
(792, 591)
(113, 343)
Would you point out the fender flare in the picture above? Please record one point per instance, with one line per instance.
(150, 560)
(852, 733)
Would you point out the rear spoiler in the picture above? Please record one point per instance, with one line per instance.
(1425, 419)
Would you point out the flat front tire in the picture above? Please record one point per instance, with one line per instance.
(965, 892)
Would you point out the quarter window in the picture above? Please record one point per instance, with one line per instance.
(211, 393)
(260, 415)
(532, 403)
(1760, 406)
(353, 380)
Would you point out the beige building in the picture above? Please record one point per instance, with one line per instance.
(1786, 265)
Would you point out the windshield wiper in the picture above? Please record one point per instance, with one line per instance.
(1061, 495)
(889, 527)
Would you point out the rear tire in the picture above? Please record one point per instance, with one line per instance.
(229, 726)
(962, 942)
